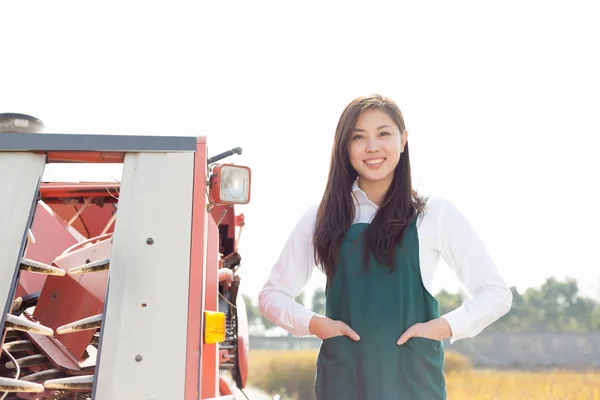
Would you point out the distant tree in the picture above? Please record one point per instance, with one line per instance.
(301, 298)
(252, 311)
(448, 301)
(256, 319)
(319, 301)
(555, 306)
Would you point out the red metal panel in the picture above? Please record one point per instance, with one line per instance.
(193, 367)
(209, 351)
(91, 221)
(52, 238)
(66, 299)
(224, 388)
(85, 157)
(49, 190)
(60, 357)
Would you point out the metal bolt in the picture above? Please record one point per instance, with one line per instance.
(138, 358)
(149, 241)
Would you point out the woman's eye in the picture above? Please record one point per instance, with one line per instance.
(356, 137)
(385, 133)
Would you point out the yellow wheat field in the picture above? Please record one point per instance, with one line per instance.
(292, 372)
(513, 385)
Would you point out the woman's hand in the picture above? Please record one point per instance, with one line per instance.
(325, 328)
(436, 329)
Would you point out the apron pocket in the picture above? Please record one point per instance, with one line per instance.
(423, 367)
(333, 348)
(425, 341)
(335, 369)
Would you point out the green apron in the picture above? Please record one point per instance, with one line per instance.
(380, 305)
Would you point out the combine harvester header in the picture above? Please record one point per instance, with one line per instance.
(119, 290)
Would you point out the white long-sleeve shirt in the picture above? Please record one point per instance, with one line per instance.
(443, 232)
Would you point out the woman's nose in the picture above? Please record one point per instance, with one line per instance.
(372, 145)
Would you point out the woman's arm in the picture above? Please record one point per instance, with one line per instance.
(288, 277)
(464, 252)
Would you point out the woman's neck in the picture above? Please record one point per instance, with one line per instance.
(375, 190)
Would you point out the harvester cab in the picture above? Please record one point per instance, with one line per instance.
(119, 290)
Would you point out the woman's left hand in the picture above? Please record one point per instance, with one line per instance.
(436, 329)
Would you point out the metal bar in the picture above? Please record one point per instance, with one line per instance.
(84, 324)
(50, 190)
(193, 371)
(210, 359)
(23, 324)
(41, 376)
(36, 267)
(96, 266)
(109, 223)
(95, 143)
(147, 295)
(70, 383)
(18, 345)
(15, 385)
(85, 205)
(19, 180)
(28, 361)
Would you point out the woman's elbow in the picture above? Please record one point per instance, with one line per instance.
(262, 302)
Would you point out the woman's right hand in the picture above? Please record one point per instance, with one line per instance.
(325, 328)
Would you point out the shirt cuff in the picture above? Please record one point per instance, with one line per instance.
(458, 320)
(302, 319)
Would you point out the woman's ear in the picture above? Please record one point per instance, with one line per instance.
(403, 140)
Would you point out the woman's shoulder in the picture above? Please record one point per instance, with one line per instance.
(307, 219)
(436, 207)
(310, 213)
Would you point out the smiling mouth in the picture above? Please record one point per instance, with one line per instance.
(374, 162)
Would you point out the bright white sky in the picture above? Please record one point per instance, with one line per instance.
(501, 101)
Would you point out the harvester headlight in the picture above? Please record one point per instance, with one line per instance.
(230, 184)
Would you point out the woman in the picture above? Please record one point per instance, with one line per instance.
(379, 243)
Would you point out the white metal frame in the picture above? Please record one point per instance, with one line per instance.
(143, 336)
(20, 175)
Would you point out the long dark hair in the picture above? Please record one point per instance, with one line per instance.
(335, 214)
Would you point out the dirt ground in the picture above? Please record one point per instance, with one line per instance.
(252, 394)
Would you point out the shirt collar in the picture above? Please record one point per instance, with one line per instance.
(359, 196)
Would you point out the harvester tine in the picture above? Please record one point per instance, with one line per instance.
(17, 304)
(82, 325)
(16, 385)
(30, 236)
(29, 361)
(12, 335)
(41, 376)
(40, 268)
(96, 266)
(71, 383)
(18, 345)
(21, 324)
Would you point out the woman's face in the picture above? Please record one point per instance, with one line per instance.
(375, 146)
